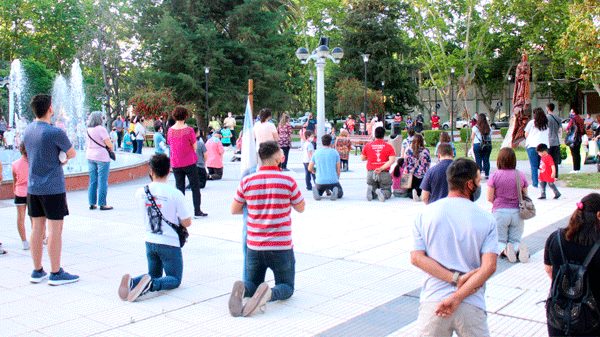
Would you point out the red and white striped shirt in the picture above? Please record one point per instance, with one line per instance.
(269, 195)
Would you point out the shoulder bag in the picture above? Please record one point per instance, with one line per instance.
(181, 231)
(111, 154)
(526, 206)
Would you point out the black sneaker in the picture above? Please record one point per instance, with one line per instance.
(199, 215)
(542, 197)
(141, 288)
(557, 196)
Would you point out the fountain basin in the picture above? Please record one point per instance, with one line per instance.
(128, 166)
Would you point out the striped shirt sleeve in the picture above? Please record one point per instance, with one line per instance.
(296, 197)
(239, 194)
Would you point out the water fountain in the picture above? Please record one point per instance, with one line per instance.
(70, 114)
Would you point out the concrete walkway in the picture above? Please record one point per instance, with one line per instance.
(353, 271)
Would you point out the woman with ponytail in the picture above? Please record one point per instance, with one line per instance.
(577, 240)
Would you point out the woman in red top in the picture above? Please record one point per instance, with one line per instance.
(182, 143)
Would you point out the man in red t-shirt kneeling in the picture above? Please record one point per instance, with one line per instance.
(379, 156)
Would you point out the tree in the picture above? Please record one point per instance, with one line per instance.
(152, 103)
(452, 33)
(374, 27)
(350, 99)
(581, 40)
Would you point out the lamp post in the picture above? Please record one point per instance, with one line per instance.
(365, 59)
(549, 92)
(311, 79)
(206, 71)
(452, 106)
(320, 56)
(436, 107)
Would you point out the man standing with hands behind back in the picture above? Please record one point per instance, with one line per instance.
(46, 190)
(456, 244)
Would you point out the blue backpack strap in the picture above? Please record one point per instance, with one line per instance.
(562, 254)
(591, 254)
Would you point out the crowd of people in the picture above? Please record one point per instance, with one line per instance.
(457, 266)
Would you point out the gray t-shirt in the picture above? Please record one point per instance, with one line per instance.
(43, 143)
(200, 151)
(117, 123)
(455, 232)
(554, 126)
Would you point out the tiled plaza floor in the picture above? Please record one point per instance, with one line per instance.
(353, 271)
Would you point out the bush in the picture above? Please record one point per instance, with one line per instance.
(465, 133)
(238, 129)
(191, 121)
(432, 137)
(563, 151)
(338, 126)
(503, 132)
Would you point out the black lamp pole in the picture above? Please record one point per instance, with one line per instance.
(365, 59)
(452, 106)
(206, 71)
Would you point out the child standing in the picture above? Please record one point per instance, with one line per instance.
(113, 137)
(307, 152)
(547, 171)
(20, 171)
(127, 143)
(396, 178)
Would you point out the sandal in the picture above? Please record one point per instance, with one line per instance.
(2, 251)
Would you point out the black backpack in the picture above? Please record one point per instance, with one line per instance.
(572, 135)
(571, 306)
(486, 141)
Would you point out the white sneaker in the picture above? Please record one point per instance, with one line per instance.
(380, 195)
(369, 192)
(334, 193)
(523, 253)
(415, 195)
(509, 251)
(25, 245)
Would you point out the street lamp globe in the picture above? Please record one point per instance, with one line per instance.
(302, 54)
(365, 57)
(509, 78)
(452, 69)
(337, 53)
(206, 70)
(323, 51)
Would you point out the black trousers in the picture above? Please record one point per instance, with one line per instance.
(215, 173)
(191, 172)
(554, 152)
(119, 138)
(134, 145)
(576, 154)
(202, 176)
(286, 151)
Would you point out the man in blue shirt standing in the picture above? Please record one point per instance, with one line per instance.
(326, 165)
(434, 184)
(46, 190)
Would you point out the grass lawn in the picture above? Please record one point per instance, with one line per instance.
(582, 180)
(461, 151)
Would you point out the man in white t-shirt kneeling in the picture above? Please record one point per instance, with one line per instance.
(456, 244)
(162, 241)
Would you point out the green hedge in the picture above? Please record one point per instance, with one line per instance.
(563, 151)
(238, 129)
(191, 121)
(503, 132)
(465, 133)
(432, 137)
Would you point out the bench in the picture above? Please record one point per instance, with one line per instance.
(149, 138)
(358, 141)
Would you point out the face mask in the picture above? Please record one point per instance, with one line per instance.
(572, 114)
(311, 139)
(476, 194)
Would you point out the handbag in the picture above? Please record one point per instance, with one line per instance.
(111, 154)
(181, 231)
(526, 206)
(406, 181)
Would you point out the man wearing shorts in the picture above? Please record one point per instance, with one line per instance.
(46, 192)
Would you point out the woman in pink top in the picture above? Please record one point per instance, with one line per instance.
(182, 144)
(98, 161)
(214, 156)
(20, 171)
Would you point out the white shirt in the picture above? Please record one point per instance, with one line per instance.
(171, 203)
(306, 148)
(455, 232)
(536, 136)
(140, 131)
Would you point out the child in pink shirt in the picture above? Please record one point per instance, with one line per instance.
(20, 171)
(397, 178)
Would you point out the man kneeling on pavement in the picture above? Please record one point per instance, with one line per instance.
(326, 165)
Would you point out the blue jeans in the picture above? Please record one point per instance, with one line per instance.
(98, 185)
(140, 145)
(534, 162)
(167, 258)
(281, 262)
(309, 176)
(482, 158)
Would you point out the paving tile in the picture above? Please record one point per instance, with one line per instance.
(78, 327)
(157, 326)
(11, 328)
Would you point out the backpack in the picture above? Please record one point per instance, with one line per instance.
(485, 141)
(572, 135)
(571, 306)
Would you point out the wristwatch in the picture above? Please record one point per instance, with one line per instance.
(455, 278)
